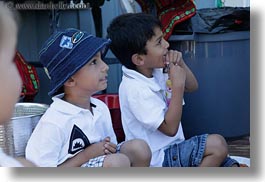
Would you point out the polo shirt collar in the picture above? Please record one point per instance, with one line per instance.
(155, 83)
(66, 107)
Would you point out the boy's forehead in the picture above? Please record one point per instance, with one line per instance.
(158, 34)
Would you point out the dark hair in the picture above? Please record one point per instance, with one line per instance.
(59, 91)
(129, 34)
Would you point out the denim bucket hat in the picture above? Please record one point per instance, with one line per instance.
(67, 51)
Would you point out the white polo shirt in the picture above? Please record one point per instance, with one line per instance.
(143, 108)
(65, 130)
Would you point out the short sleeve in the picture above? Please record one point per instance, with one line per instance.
(148, 107)
(44, 145)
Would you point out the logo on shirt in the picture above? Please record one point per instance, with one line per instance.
(78, 140)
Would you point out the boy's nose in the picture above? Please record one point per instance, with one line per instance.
(105, 66)
(166, 44)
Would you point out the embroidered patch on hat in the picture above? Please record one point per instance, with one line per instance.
(77, 37)
(66, 42)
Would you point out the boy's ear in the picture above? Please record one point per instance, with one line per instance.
(70, 82)
(138, 59)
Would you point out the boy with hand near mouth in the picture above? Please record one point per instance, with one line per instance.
(138, 43)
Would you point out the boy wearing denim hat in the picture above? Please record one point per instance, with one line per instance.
(77, 130)
(138, 42)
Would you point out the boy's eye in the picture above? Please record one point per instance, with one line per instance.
(94, 61)
(159, 42)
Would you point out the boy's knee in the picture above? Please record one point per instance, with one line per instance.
(138, 145)
(217, 145)
(117, 160)
(143, 147)
(138, 149)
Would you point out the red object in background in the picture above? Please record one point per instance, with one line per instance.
(112, 101)
(29, 76)
(169, 12)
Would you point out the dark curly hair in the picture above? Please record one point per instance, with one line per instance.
(129, 34)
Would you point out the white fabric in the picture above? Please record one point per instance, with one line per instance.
(50, 142)
(242, 160)
(8, 161)
(143, 108)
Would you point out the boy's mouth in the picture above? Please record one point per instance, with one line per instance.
(165, 60)
(104, 78)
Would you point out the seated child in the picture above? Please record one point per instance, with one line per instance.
(77, 129)
(146, 112)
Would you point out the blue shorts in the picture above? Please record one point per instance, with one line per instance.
(189, 153)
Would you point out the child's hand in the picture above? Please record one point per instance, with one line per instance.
(109, 147)
(175, 57)
(177, 74)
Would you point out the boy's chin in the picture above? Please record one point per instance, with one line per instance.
(103, 88)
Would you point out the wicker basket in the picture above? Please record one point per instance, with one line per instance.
(14, 135)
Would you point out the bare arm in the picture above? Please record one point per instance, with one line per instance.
(177, 76)
(191, 83)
